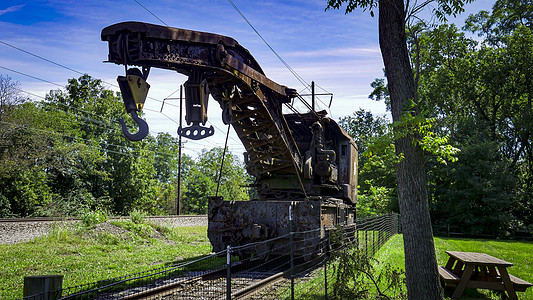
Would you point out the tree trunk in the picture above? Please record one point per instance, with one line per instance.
(420, 261)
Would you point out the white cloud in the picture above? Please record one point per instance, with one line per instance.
(11, 9)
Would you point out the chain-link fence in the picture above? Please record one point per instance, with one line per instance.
(251, 271)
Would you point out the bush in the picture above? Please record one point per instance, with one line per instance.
(137, 216)
(90, 218)
(5, 207)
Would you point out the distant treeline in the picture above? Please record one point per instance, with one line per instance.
(65, 155)
(475, 91)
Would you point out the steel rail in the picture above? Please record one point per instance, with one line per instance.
(170, 288)
(273, 279)
(50, 219)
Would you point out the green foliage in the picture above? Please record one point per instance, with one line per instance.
(64, 156)
(91, 218)
(420, 129)
(475, 193)
(356, 277)
(480, 94)
(137, 216)
(202, 178)
(5, 207)
(473, 115)
(441, 10)
(136, 230)
(377, 158)
(376, 173)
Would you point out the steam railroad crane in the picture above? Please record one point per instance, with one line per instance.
(302, 161)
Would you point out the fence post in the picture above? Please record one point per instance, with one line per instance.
(373, 236)
(292, 250)
(366, 241)
(326, 238)
(228, 273)
(45, 287)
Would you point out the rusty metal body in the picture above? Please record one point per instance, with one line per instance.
(304, 161)
(239, 223)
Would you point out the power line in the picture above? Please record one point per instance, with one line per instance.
(38, 56)
(50, 82)
(151, 13)
(37, 78)
(298, 77)
(302, 81)
(65, 67)
(90, 142)
(105, 123)
(240, 142)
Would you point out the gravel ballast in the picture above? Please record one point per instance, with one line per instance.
(16, 232)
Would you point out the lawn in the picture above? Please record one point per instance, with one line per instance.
(517, 252)
(87, 255)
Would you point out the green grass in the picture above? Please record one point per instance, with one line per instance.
(519, 253)
(85, 256)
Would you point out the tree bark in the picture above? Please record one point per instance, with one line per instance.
(420, 260)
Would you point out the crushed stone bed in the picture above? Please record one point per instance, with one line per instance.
(16, 232)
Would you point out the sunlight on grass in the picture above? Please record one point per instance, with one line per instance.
(517, 252)
(88, 255)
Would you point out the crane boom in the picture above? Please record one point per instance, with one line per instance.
(290, 156)
(250, 101)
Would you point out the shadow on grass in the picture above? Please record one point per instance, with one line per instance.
(186, 268)
(470, 293)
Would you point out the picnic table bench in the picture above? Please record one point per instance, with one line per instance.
(479, 270)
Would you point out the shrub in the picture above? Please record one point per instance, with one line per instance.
(90, 218)
(137, 216)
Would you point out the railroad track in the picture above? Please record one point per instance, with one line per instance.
(248, 281)
(52, 219)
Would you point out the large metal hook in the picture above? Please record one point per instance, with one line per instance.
(143, 128)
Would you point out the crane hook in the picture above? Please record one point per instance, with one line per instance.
(143, 128)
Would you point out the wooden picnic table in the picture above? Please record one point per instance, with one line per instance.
(480, 270)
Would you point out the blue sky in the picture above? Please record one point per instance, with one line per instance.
(339, 52)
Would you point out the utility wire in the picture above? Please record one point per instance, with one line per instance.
(109, 125)
(104, 125)
(151, 13)
(65, 67)
(240, 142)
(40, 57)
(90, 142)
(300, 78)
(222, 162)
(37, 78)
(302, 81)
(165, 25)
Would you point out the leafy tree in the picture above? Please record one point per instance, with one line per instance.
(62, 156)
(202, 180)
(377, 180)
(477, 192)
(498, 25)
(482, 96)
(420, 260)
